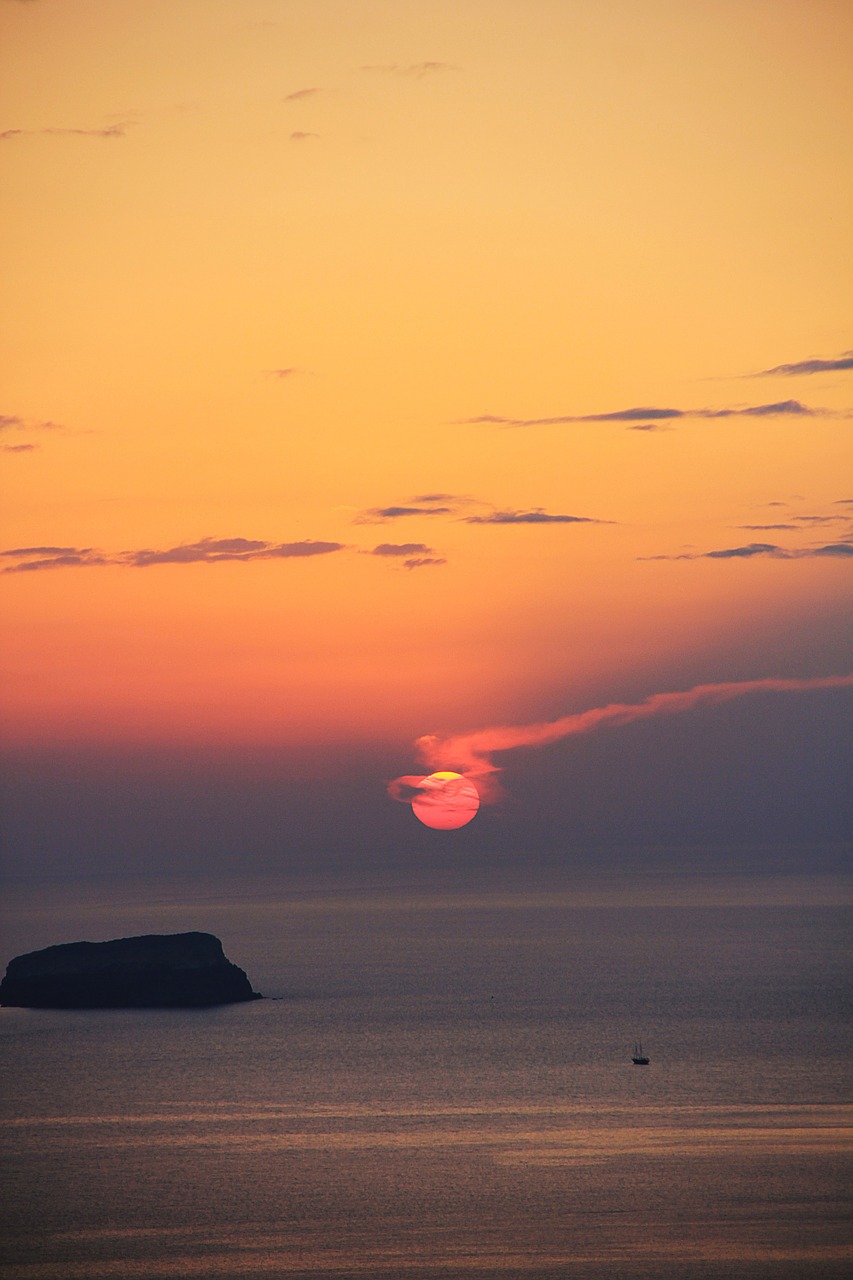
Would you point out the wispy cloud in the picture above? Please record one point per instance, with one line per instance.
(20, 552)
(468, 510)
(401, 549)
(214, 550)
(418, 70)
(412, 555)
(536, 516)
(281, 374)
(380, 515)
(15, 422)
(804, 367)
(301, 135)
(108, 131)
(299, 94)
(770, 550)
(797, 523)
(652, 417)
(423, 562)
(205, 551)
(66, 558)
(473, 754)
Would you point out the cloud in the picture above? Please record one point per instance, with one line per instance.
(70, 558)
(458, 507)
(14, 422)
(205, 551)
(414, 555)
(283, 373)
(416, 69)
(804, 367)
(841, 549)
(300, 135)
(472, 754)
(423, 562)
(769, 549)
(19, 552)
(108, 131)
(752, 549)
(401, 549)
(409, 555)
(213, 550)
(536, 516)
(378, 515)
(652, 417)
(299, 94)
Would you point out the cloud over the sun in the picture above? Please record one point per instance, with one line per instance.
(473, 753)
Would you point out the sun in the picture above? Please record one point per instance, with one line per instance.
(446, 801)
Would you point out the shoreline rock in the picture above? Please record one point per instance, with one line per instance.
(153, 971)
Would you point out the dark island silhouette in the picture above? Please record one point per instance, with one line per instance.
(154, 971)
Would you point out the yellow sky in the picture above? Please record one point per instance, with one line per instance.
(419, 214)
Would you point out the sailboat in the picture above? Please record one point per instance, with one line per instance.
(639, 1059)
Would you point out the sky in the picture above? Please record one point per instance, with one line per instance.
(381, 374)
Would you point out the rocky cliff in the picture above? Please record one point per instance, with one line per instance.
(175, 970)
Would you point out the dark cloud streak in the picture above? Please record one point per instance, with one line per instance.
(652, 417)
(839, 550)
(401, 549)
(377, 515)
(536, 516)
(205, 551)
(109, 131)
(805, 367)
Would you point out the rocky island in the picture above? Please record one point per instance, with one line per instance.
(154, 971)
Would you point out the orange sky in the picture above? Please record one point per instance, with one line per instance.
(269, 265)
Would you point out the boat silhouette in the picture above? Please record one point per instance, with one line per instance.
(639, 1059)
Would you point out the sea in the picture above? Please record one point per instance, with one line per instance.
(439, 1082)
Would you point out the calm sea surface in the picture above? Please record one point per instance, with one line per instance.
(441, 1085)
